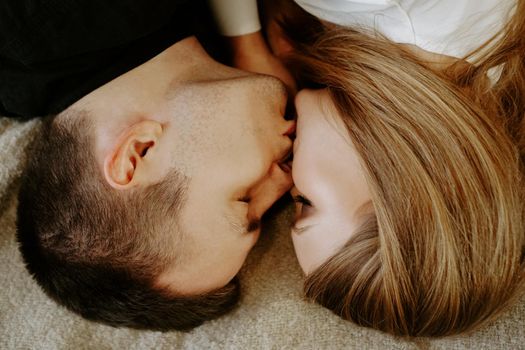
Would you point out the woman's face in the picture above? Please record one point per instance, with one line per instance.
(330, 191)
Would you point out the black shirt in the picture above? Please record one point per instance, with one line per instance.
(53, 52)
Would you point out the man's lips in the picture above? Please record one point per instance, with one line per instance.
(286, 161)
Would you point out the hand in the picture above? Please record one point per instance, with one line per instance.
(251, 53)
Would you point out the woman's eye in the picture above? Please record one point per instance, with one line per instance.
(303, 206)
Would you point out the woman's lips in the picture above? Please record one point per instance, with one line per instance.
(290, 132)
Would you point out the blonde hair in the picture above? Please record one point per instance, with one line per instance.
(444, 252)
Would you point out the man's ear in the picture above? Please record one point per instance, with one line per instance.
(129, 156)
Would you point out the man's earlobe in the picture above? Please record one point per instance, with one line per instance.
(128, 158)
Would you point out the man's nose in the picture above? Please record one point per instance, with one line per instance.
(277, 183)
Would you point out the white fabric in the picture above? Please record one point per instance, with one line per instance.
(449, 27)
(236, 17)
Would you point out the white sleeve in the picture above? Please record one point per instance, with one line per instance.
(447, 27)
(236, 17)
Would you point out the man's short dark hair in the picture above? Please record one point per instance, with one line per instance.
(97, 250)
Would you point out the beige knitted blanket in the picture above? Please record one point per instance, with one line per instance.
(272, 313)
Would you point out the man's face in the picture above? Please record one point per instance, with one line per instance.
(233, 139)
(224, 130)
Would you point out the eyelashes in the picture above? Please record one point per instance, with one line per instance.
(304, 209)
(302, 200)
